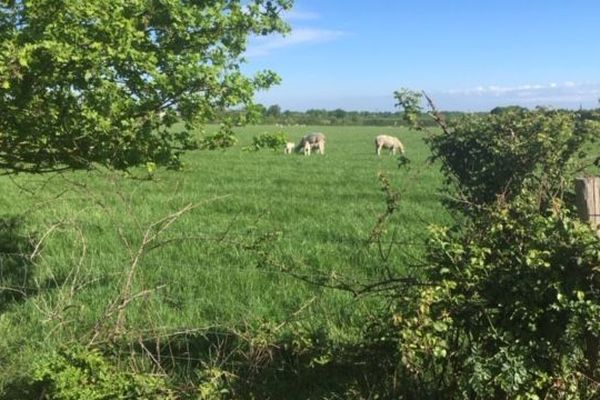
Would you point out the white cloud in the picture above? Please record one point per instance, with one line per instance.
(262, 46)
(568, 94)
(527, 88)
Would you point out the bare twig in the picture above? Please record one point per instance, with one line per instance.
(46, 234)
(295, 313)
(119, 305)
(437, 116)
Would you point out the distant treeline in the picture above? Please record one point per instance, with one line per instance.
(275, 115)
(271, 115)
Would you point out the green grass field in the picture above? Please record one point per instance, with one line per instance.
(319, 212)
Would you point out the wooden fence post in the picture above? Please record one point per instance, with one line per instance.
(587, 198)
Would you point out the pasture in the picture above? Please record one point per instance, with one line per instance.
(312, 216)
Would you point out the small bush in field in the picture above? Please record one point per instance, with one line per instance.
(273, 141)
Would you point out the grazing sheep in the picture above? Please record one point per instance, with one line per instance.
(306, 149)
(312, 141)
(289, 148)
(389, 142)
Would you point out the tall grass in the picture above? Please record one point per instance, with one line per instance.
(314, 215)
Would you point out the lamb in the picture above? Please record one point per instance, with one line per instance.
(289, 148)
(389, 142)
(312, 141)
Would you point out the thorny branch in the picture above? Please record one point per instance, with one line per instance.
(436, 115)
(125, 296)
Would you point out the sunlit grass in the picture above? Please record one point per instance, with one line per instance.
(319, 210)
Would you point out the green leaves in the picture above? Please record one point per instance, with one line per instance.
(524, 297)
(223, 139)
(82, 83)
(410, 102)
(513, 296)
(497, 156)
(77, 372)
(273, 141)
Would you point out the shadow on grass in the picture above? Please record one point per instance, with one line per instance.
(16, 249)
(293, 367)
(222, 365)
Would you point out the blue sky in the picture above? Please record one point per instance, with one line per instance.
(468, 55)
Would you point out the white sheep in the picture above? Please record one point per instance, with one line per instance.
(388, 142)
(289, 148)
(312, 141)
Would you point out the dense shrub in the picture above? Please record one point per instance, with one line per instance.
(499, 155)
(513, 307)
(510, 305)
(273, 141)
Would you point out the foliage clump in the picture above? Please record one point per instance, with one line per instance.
(510, 307)
(273, 141)
(222, 139)
(80, 373)
(487, 158)
(512, 312)
(83, 83)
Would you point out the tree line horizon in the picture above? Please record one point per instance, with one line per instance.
(275, 114)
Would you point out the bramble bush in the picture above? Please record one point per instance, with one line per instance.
(512, 309)
(273, 141)
(510, 305)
